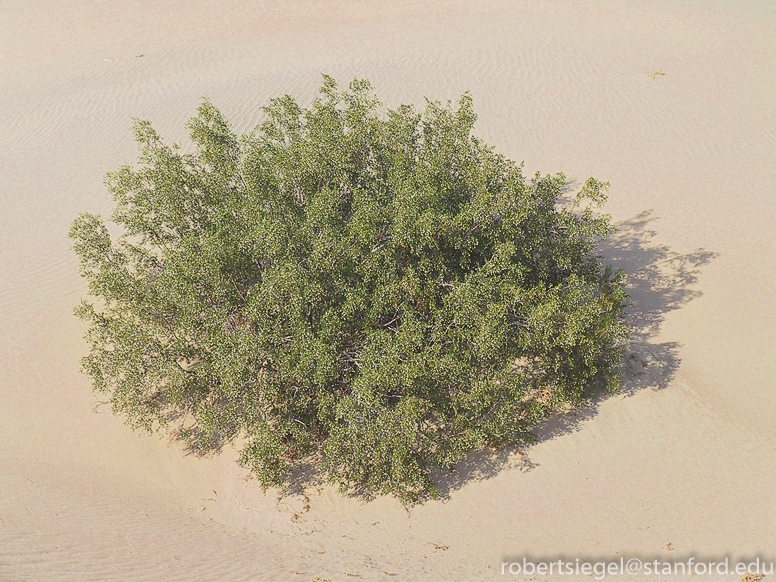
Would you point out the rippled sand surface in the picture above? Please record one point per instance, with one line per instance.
(684, 455)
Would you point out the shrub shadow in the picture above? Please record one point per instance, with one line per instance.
(659, 281)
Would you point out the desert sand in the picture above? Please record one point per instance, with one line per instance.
(685, 455)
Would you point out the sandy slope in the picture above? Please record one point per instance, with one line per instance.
(684, 455)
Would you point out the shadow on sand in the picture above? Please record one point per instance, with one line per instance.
(659, 280)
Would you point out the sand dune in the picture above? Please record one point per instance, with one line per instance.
(684, 455)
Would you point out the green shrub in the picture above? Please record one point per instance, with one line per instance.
(378, 292)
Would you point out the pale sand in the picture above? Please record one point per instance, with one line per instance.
(685, 455)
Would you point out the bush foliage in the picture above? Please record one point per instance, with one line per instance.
(378, 292)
